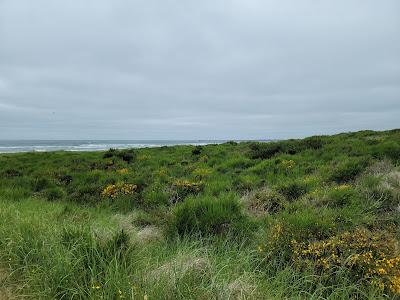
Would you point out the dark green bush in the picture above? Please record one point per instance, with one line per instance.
(127, 155)
(40, 184)
(389, 149)
(265, 150)
(341, 196)
(54, 193)
(110, 153)
(293, 189)
(64, 179)
(197, 150)
(208, 215)
(314, 142)
(12, 173)
(348, 169)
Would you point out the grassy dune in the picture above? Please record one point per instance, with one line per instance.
(316, 218)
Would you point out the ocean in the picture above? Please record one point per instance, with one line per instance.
(12, 146)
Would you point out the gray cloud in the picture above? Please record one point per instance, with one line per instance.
(190, 70)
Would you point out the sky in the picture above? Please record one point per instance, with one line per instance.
(210, 69)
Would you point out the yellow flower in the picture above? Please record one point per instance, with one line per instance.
(96, 286)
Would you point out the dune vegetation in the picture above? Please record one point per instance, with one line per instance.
(316, 218)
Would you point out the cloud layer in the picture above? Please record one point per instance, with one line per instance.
(197, 69)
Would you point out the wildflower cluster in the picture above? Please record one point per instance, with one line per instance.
(366, 255)
(114, 190)
(288, 164)
(161, 172)
(201, 173)
(182, 188)
(188, 186)
(275, 240)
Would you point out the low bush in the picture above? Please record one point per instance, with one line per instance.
(264, 201)
(340, 196)
(293, 189)
(155, 196)
(182, 188)
(54, 193)
(265, 150)
(348, 169)
(197, 150)
(302, 225)
(208, 215)
(127, 155)
(40, 184)
(115, 190)
(9, 173)
(389, 149)
(371, 256)
(246, 183)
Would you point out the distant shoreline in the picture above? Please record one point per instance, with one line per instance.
(23, 146)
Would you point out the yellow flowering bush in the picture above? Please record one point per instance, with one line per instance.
(123, 171)
(367, 255)
(187, 185)
(288, 164)
(181, 188)
(162, 172)
(143, 157)
(201, 173)
(115, 190)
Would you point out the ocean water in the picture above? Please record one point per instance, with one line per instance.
(9, 146)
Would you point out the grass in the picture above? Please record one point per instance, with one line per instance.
(300, 219)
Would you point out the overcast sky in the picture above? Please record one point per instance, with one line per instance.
(72, 69)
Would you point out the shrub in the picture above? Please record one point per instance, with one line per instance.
(383, 191)
(197, 150)
(246, 183)
(293, 189)
(265, 150)
(54, 193)
(314, 142)
(64, 179)
(115, 190)
(389, 149)
(155, 196)
(201, 173)
(372, 256)
(348, 169)
(302, 225)
(264, 201)
(12, 173)
(183, 188)
(208, 215)
(340, 196)
(110, 153)
(127, 155)
(40, 184)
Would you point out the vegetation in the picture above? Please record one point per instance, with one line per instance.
(316, 218)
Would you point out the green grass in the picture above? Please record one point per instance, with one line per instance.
(211, 222)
